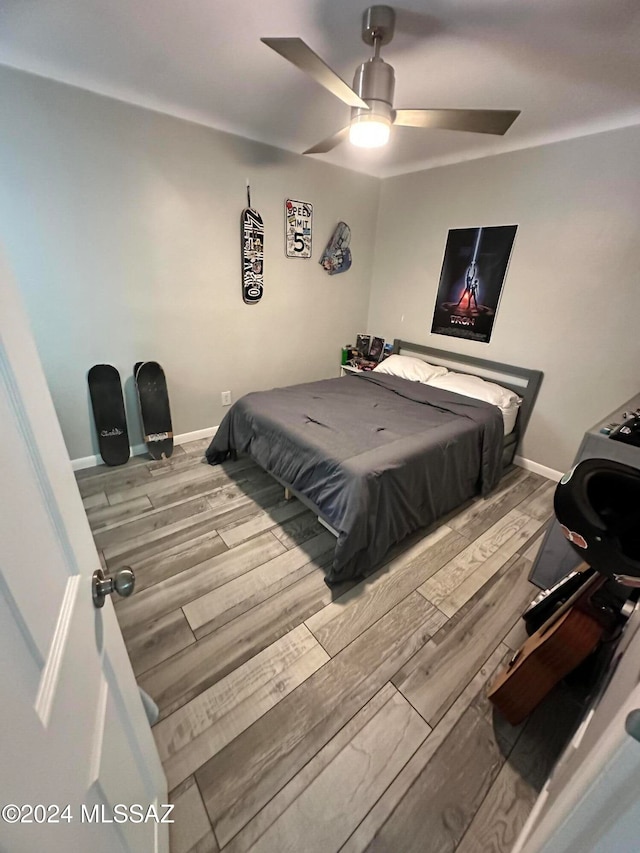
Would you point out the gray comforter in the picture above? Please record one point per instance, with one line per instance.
(377, 456)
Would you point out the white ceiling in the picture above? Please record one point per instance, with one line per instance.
(571, 66)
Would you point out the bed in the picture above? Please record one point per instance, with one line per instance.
(376, 456)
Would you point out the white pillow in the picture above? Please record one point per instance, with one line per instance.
(509, 417)
(413, 369)
(473, 386)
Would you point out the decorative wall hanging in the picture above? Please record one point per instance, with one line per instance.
(252, 238)
(336, 258)
(298, 220)
(473, 270)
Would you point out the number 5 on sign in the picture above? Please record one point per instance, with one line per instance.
(298, 218)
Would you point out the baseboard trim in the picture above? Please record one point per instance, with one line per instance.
(185, 437)
(139, 449)
(84, 462)
(537, 468)
(92, 461)
(195, 435)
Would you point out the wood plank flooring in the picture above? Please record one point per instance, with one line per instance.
(298, 718)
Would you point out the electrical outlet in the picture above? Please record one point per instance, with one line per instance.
(226, 398)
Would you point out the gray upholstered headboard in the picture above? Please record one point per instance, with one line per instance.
(522, 380)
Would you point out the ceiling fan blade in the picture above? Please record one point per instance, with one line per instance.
(496, 122)
(301, 55)
(329, 143)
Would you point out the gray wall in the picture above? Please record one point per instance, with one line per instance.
(122, 228)
(571, 298)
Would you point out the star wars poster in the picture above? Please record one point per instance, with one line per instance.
(473, 270)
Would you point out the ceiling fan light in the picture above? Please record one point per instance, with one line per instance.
(369, 131)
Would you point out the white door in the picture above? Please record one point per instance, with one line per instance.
(72, 729)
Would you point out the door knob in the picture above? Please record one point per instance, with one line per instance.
(123, 582)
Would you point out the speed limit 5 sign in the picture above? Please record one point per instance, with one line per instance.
(298, 219)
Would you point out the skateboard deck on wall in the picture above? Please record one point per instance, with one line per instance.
(252, 238)
(109, 416)
(336, 257)
(151, 385)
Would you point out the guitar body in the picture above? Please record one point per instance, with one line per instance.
(566, 639)
(544, 660)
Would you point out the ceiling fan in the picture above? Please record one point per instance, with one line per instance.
(371, 98)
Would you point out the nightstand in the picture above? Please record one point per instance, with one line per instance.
(347, 368)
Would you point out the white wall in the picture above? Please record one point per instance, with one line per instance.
(571, 299)
(123, 230)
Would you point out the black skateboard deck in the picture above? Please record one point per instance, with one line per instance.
(252, 234)
(109, 416)
(153, 397)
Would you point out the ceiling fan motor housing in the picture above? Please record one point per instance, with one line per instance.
(374, 82)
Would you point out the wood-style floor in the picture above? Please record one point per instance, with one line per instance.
(295, 718)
